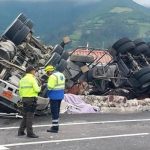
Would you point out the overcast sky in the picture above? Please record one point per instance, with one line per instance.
(142, 2)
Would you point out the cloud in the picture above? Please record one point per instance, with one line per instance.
(145, 3)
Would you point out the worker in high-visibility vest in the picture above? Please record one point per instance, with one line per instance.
(56, 86)
(28, 91)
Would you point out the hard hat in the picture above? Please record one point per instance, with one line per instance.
(29, 69)
(49, 68)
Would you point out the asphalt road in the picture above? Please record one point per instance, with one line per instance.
(81, 132)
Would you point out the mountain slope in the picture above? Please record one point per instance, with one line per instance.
(99, 23)
(113, 19)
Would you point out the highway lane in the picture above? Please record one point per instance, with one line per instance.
(82, 131)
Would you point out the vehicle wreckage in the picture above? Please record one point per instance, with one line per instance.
(125, 65)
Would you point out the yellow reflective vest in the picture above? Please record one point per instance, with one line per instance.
(56, 81)
(56, 86)
(28, 86)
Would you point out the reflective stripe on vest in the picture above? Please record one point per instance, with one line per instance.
(60, 81)
(26, 87)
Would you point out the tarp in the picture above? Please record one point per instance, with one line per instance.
(77, 105)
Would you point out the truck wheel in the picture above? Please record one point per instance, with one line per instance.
(10, 32)
(142, 72)
(145, 80)
(29, 24)
(126, 47)
(148, 52)
(21, 35)
(58, 49)
(4, 54)
(22, 18)
(54, 60)
(120, 42)
(79, 58)
(148, 44)
(143, 48)
(61, 66)
(116, 82)
(65, 55)
(138, 42)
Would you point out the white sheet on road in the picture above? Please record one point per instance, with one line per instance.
(77, 105)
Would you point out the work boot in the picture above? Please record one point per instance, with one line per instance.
(32, 135)
(21, 133)
(53, 129)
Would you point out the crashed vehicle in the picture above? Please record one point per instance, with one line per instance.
(19, 49)
(133, 61)
(100, 69)
(95, 67)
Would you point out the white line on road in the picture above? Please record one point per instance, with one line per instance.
(84, 123)
(3, 148)
(75, 139)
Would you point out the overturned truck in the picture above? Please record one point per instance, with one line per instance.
(19, 49)
(125, 65)
(133, 59)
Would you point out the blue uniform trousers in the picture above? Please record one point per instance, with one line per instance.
(55, 110)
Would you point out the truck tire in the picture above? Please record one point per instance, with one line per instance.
(4, 54)
(145, 80)
(129, 46)
(54, 60)
(138, 42)
(148, 44)
(65, 55)
(58, 49)
(120, 42)
(21, 35)
(22, 18)
(10, 32)
(29, 24)
(82, 58)
(116, 82)
(143, 48)
(147, 53)
(142, 72)
(62, 65)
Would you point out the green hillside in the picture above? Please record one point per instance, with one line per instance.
(111, 20)
(98, 23)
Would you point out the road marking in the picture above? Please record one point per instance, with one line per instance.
(83, 123)
(75, 139)
(3, 148)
